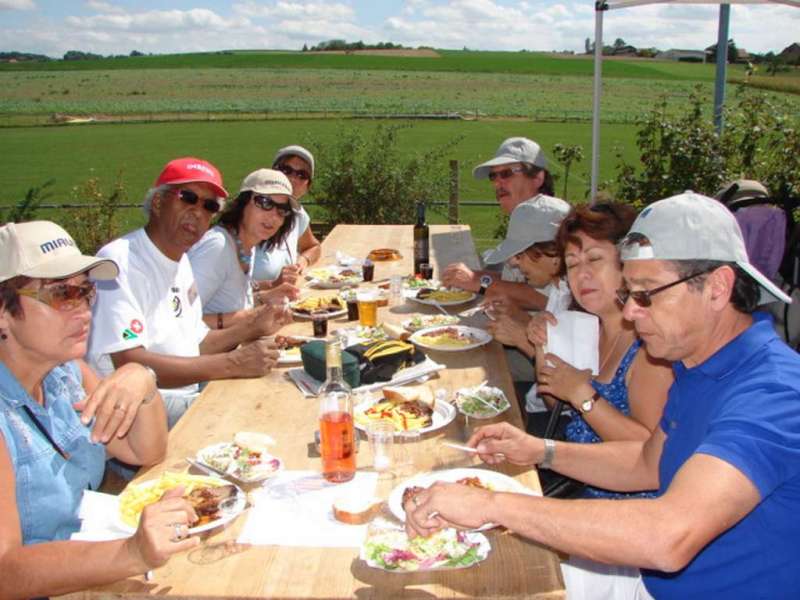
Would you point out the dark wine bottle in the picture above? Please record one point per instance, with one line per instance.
(422, 251)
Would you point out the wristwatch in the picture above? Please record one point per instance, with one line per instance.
(588, 404)
(485, 281)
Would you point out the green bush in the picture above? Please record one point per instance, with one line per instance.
(367, 179)
(28, 208)
(95, 220)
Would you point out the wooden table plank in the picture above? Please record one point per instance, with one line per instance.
(220, 568)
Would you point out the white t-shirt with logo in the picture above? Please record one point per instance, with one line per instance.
(267, 265)
(153, 303)
(222, 284)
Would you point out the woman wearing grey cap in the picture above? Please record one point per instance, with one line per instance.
(283, 263)
(261, 216)
(59, 422)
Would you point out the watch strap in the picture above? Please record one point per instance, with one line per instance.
(549, 454)
(590, 401)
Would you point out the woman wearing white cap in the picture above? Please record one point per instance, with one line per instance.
(59, 422)
(261, 216)
(301, 249)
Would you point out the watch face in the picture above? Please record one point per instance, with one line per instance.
(486, 280)
(587, 405)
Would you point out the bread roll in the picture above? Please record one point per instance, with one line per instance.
(407, 393)
(255, 442)
(355, 511)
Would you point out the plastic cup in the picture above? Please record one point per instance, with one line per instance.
(367, 309)
(396, 289)
(319, 322)
(380, 435)
(426, 270)
(368, 270)
(406, 448)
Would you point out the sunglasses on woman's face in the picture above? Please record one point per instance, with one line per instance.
(301, 174)
(64, 296)
(212, 205)
(268, 203)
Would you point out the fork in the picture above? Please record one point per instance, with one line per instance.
(440, 307)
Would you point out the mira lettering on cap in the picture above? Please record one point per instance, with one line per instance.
(51, 245)
(199, 167)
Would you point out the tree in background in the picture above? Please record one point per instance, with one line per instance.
(566, 155)
(94, 221)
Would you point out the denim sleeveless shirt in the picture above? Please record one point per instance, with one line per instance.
(48, 487)
(616, 394)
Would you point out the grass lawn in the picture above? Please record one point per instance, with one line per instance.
(137, 152)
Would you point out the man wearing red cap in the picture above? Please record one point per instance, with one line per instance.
(152, 314)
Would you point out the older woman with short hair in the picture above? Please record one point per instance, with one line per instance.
(59, 422)
(285, 262)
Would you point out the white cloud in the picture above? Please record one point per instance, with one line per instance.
(17, 5)
(104, 7)
(297, 10)
(199, 19)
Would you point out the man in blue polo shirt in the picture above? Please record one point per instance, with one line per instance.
(725, 459)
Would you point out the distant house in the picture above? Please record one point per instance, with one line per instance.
(742, 55)
(684, 55)
(790, 54)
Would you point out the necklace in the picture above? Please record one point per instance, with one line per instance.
(245, 258)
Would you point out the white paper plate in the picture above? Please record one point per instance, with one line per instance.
(307, 316)
(473, 537)
(498, 482)
(443, 414)
(412, 295)
(482, 337)
(486, 412)
(319, 277)
(226, 516)
(202, 454)
(429, 321)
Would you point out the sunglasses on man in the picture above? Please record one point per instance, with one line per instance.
(268, 203)
(505, 173)
(212, 205)
(301, 174)
(643, 298)
(63, 296)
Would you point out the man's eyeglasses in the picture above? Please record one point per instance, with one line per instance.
(643, 298)
(268, 203)
(63, 296)
(212, 205)
(505, 173)
(301, 174)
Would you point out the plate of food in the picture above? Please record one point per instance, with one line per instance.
(245, 459)
(407, 408)
(332, 304)
(384, 254)
(417, 282)
(215, 500)
(361, 334)
(481, 478)
(441, 296)
(453, 338)
(481, 402)
(418, 322)
(334, 277)
(392, 550)
(289, 346)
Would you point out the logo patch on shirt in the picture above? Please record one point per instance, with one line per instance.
(177, 307)
(127, 334)
(136, 326)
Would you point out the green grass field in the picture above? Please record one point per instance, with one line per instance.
(71, 155)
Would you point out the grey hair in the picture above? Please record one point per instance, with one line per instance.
(151, 193)
(745, 293)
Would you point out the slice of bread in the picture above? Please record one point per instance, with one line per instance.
(255, 442)
(396, 394)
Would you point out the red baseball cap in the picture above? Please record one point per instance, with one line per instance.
(192, 170)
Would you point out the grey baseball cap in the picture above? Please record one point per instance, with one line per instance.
(513, 150)
(295, 151)
(691, 226)
(531, 222)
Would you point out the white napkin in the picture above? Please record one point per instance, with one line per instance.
(98, 515)
(310, 386)
(347, 261)
(295, 508)
(575, 340)
(559, 297)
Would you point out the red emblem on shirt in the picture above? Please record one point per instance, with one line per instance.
(136, 326)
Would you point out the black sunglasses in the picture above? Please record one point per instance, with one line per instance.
(212, 205)
(299, 173)
(268, 203)
(643, 298)
(505, 173)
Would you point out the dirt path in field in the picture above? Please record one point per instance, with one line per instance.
(422, 52)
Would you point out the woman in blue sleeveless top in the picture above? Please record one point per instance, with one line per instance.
(626, 399)
(59, 423)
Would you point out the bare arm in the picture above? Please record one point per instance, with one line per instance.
(309, 249)
(130, 416)
(55, 568)
(245, 326)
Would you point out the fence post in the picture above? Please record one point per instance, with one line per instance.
(453, 212)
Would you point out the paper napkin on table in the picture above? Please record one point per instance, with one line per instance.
(575, 340)
(346, 260)
(98, 515)
(295, 508)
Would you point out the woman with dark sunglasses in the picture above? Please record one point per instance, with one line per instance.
(59, 423)
(285, 262)
(626, 399)
(261, 216)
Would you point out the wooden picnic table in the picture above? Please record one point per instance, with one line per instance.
(221, 568)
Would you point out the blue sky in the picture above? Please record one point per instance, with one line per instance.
(118, 26)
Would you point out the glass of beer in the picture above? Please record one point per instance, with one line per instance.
(367, 309)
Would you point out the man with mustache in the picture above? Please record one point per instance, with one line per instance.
(152, 314)
(725, 457)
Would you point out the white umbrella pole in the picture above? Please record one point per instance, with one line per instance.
(722, 63)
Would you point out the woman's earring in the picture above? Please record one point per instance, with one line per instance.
(3, 335)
